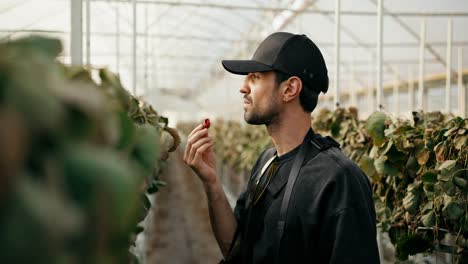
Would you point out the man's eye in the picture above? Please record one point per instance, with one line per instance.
(256, 76)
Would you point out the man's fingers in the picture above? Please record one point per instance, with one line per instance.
(192, 138)
(200, 151)
(197, 145)
(197, 135)
(196, 129)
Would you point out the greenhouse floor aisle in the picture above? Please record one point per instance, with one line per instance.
(181, 232)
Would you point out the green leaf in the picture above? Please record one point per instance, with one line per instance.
(429, 189)
(465, 224)
(428, 219)
(449, 188)
(460, 182)
(412, 245)
(138, 229)
(383, 166)
(367, 165)
(412, 166)
(429, 176)
(396, 233)
(50, 46)
(126, 130)
(411, 203)
(375, 126)
(147, 147)
(453, 210)
(97, 176)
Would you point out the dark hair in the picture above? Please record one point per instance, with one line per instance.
(308, 97)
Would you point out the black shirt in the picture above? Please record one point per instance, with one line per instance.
(331, 216)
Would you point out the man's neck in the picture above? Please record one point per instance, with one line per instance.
(288, 133)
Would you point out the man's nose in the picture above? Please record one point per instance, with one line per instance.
(245, 89)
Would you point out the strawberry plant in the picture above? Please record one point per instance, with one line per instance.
(79, 156)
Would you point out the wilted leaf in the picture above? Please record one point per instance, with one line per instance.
(447, 166)
(441, 151)
(450, 131)
(460, 141)
(421, 153)
(375, 127)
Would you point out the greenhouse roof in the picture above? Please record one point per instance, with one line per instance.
(180, 43)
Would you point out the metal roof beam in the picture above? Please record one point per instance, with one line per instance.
(428, 46)
(231, 40)
(308, 10)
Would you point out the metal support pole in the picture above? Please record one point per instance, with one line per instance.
(422, 44)
(88, 32)
(146, 51)
(76, 45)
(410, 89)
(396, 95)
(117, 38)
(336, 100)
(461, 88)
(134, 47)
(370, 92)
(379, 53)
(354, 84)
(448, 84)
(154, 48)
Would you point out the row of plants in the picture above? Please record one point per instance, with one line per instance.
(79, 156)
(417, 167)
(418, 170)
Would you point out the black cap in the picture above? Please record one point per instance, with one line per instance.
(295, 55)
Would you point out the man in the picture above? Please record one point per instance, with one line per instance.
(319, 210)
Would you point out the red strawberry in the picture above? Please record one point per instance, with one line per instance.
(206, 123)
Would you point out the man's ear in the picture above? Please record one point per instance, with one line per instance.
(291, 88)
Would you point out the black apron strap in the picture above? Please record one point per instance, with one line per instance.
(269, 153)
(316, 144)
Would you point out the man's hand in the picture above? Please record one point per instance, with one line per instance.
(199, 155)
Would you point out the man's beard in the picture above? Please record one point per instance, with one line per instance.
(265, 118)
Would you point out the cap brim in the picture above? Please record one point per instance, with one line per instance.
(245, 67)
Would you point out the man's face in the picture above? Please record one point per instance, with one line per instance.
(261, 98)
